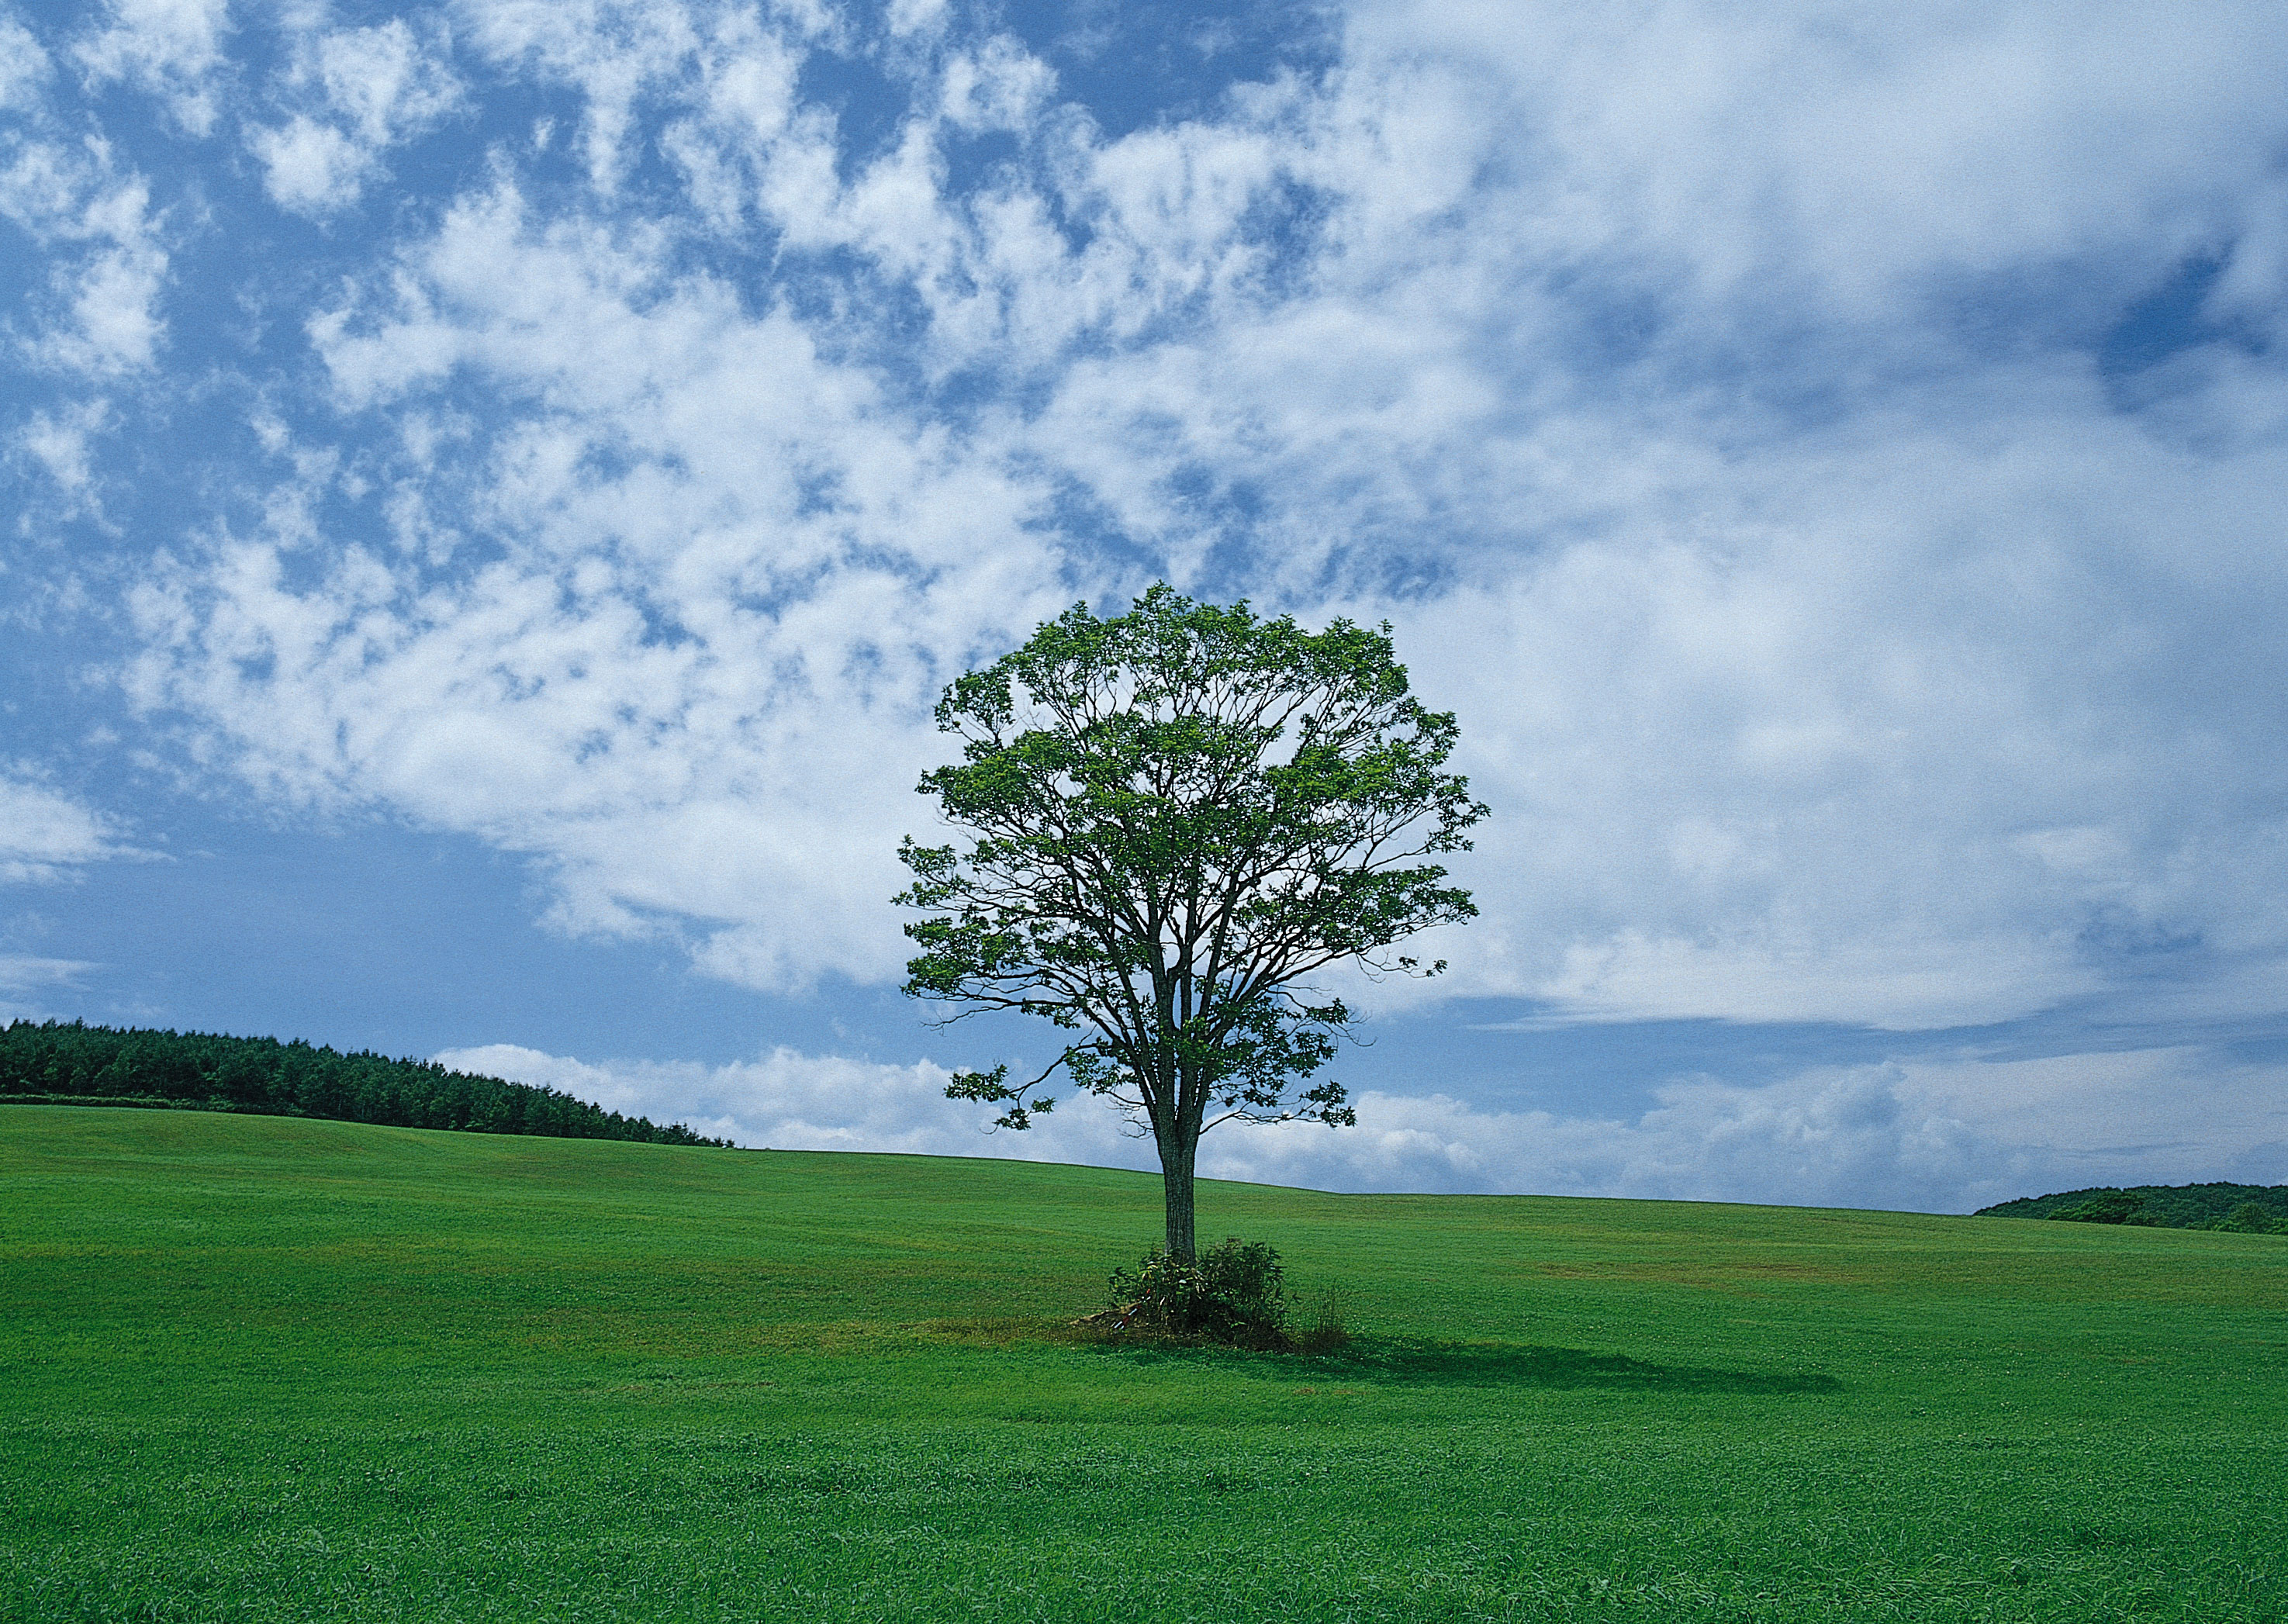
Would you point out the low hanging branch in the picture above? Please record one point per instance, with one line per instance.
(1177, 815)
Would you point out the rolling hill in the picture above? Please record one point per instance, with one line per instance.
(263, 1368)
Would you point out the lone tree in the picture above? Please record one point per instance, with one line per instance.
(1178, 814)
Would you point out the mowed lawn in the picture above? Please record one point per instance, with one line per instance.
(259, 1368)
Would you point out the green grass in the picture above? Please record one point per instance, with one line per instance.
(262, 1368)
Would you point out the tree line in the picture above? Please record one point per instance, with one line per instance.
(58, 1062)
(2261, 1208)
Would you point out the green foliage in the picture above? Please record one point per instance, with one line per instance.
(2250, 1218)
(1234, 1293)
(268, 1369)
(1177, 814)
(59, 1062)
(2164, 1206)
(2112, 1207)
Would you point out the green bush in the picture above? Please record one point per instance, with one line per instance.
(2248, 1218)
(1234, 1293)
(2111, 1207)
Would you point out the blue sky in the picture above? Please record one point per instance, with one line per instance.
(496, 487)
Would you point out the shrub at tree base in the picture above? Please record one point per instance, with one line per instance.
(1235, 1295)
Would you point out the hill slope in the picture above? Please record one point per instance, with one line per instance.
(268, 1368)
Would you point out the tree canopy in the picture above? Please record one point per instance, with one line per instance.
(1177, 816)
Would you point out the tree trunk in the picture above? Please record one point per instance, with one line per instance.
(1176, 1179)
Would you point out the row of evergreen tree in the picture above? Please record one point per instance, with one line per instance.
(73, 1064)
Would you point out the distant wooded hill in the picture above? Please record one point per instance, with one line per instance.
(2159, 1206)
(53, 1063)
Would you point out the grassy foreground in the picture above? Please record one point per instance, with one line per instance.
(263, 1368)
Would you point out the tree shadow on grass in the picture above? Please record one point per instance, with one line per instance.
(1400, 1361)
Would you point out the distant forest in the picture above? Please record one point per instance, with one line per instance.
(2259, 1209)
(76, 1065)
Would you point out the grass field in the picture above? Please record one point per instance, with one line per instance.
(261, 1368)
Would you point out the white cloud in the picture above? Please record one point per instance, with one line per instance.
(678, 683)
(614, 51)
(789, 1100)
(312, 167)
(1721, 402)
(45, 835)
(1711, 398)
(1000, 86)
(27, 974)
(1944, 1135)
(1842, 150)
(107, 263)
(172, 49)
(114, 328)
(366, 90)
(1895, 984)
(907, 17)
(60, 442)
(25, 68)
(384, 80)
(1887, 742)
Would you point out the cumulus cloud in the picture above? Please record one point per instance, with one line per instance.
(90, 224)
(112, 326)
(1920, 749)
(25, 67)
(789, 1100)
(1948, 1134)
(172, 49)
(311, 166)
(363, 91)
(674, 684)
(1851, 151)
(25, 977)
(59, 443)
(1772, 433)
(45, 835)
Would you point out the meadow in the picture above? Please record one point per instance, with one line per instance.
(269, 1368)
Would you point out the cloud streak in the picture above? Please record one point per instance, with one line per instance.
(45, 836)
